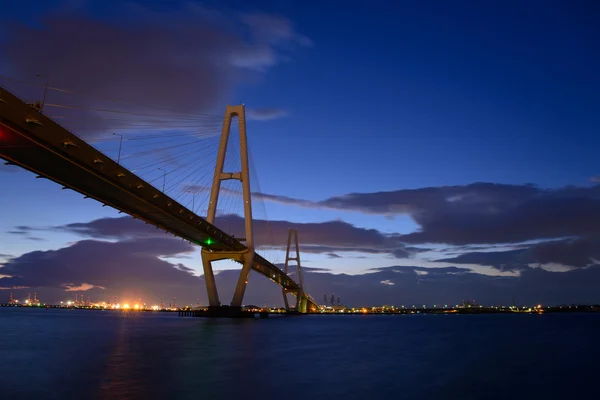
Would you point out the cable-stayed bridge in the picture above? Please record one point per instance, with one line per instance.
(31, 139)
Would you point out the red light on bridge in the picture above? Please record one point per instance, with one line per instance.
(6, 135)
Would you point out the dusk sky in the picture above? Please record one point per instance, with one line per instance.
(427, 152)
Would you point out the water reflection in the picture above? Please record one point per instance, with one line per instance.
(58, 354)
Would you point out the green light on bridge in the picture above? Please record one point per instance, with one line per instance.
(209, 241)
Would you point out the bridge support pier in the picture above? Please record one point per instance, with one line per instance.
(301, 300)
(245, 257)
(209, 277)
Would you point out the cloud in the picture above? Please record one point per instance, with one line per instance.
(128, 269)
(333, 255)
(595, 179)
(452, 285)
(479, 213)
(132, 269)
(304, 268)
(274, 29)
(183, 268)
(511, 260)
(286, 200)
(169, 68)
(575, 252)
(266, 114)
(26, 231)
(418, 270)
(70, 287)
(113, 228)
(90, 264)
(322, 238)
(18, 232)
(572, 252)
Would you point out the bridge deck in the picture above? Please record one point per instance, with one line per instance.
(35, 142)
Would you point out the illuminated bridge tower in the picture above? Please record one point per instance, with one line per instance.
(245, 257)
(300, 298)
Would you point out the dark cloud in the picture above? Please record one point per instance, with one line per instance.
(113, 228)
(181, 61)
(418, 286)
(127, 264)
(25, 231)
(572, 252)
(412, 269)
(595, 179)
(133, 269)
(510, 260)
(321, 238)
(129, 269)
(480, 213)
(487, 247)
(416, 249)
(266, 114)
(22, 233)
(333, 255)
(540, 217)
(575, 252)
(22, 230)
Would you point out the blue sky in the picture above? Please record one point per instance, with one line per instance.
(378, 96)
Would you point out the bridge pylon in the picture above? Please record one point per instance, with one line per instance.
(301, 300)
(245, 257)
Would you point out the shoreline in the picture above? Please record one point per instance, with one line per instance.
(356, 311)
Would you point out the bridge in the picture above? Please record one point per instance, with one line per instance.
(35, 142)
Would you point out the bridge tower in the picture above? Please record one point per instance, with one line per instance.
(301, 300)
(245, 257)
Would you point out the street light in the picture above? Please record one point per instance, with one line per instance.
(120, 146)
(45, 91)
(164, 178)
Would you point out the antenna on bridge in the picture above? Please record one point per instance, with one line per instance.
(300, 298)
(245, 256)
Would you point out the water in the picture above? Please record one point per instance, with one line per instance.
(63, 354)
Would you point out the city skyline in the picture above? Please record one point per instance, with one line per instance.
(438, 169)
